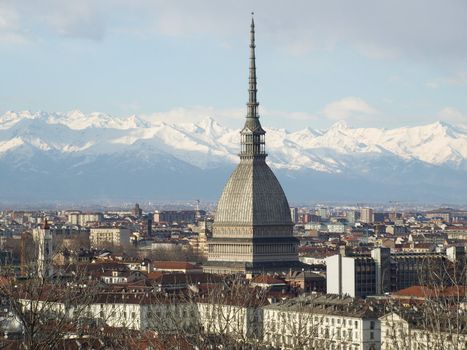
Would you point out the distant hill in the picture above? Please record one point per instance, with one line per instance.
(73, 156)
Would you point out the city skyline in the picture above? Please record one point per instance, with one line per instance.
(370, 65)
(98, 249)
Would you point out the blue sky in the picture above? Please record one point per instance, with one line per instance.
(369, 63)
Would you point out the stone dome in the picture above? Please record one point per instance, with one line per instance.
(253, 196)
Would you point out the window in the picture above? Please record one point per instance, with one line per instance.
(372, 335)
(356, 324)
(372, 324)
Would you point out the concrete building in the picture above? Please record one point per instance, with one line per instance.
(253, 230)
(439, 214)
(336, 227)
(323, 213)
(352, 276)
(383, 271)
(82, 219)
(109, 236)
(366, 215)
(171, 216)
(294, 215)
(351, 217)
(137, 212)
(44, 249)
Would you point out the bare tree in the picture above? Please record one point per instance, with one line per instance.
(434, 319)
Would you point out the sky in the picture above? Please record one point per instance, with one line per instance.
(367, 63)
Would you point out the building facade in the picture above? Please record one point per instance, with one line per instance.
(415, 332)
(366, 215)
(102, 237)
(383, 271)
(321, 322)
(44, 250)
(253, 230)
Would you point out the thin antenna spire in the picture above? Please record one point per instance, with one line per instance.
(252, 134)
(252, 90)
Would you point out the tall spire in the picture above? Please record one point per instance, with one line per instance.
(252, 135)
(252, 90)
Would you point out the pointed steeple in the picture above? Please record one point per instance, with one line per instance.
(252, 135)
(252, 90)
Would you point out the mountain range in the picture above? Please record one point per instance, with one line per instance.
(77, 156)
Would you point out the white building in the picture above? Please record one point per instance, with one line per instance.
(105, 236)
(320, 322)
(238, 321)
(294, 215)
(44, 250)
(82, 219)
(336, 227)
(410, 332)
(366, 215)
(350, 275)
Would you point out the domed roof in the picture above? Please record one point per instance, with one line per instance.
(253, 196)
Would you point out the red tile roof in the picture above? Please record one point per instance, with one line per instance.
(175, 265)
(427, 292)
(267, 279)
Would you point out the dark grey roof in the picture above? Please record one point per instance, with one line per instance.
(253, 196)
(252, 125)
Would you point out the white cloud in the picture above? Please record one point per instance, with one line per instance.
(298, 26)
(195, 114)
(232, 117)
(453, 115)
(377, 51)
(10, 26)
(75, 19)
(457, 79)
(289, 115)
(348, 107)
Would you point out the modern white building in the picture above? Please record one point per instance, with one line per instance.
(104, 236)
(350, 275)
(82, 219)
(361, 275)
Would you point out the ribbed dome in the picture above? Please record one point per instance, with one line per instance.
(252, 231)
(253, 196)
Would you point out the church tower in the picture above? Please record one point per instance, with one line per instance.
(43, 243)
(253, 230)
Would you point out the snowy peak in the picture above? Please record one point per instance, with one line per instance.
(78, 121)
(75, 120)
(208, 144)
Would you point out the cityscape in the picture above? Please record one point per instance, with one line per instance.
(139, 234)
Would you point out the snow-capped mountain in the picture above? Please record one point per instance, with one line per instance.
(34, 147)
